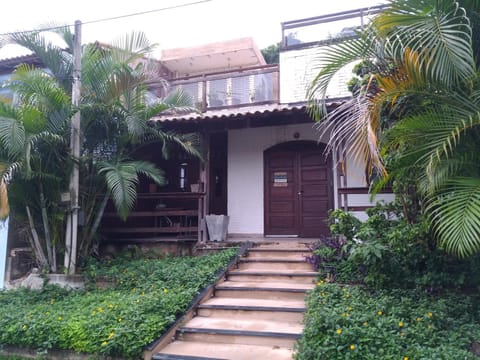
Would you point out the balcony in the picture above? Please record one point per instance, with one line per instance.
(326, 29)
(224, 89)
(305, 46)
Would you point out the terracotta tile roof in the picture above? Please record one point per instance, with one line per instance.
(9, 64)
(239, 111)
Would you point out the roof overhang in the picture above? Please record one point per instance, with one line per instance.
(218, 56)
(253, 111)
(8, 65)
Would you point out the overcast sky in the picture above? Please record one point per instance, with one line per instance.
(196, 24)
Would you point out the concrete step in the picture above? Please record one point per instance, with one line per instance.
(257, 292)
(253, 309)
(289, 244)
(246, 337)
(296, 276)
(267, 285)
(219, 323)
(214, 351)
(274, 264)
(265, 253)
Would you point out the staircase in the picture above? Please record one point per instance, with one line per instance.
(255, 313)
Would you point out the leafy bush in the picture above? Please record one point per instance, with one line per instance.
(351, 322)
(392, 252)
(330, 258)
(148, 296)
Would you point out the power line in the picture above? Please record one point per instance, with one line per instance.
(110, 18)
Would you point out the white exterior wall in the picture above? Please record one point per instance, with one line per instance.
(246, 175)
(245, 172)
(299, 67)
(356, 178)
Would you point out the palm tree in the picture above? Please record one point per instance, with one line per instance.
(32, 149)
(420, 104)
(116, 104)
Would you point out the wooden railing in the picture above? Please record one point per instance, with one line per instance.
(254, 85)
(177, 213)
(344, 192)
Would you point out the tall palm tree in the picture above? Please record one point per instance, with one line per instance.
(116, 104)
(421, 103)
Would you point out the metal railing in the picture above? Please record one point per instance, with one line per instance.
(326, 28)
(254, 85)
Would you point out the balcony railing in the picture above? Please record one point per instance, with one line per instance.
(326, 28)
(255, 85)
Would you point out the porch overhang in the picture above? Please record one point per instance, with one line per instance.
(259, 115)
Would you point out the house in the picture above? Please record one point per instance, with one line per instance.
(264, 164)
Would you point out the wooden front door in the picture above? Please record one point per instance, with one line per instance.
(298, 190)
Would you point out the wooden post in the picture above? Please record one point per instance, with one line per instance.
(72, 221)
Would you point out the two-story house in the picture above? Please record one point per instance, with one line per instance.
(265, 165)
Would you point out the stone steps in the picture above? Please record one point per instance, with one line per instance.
(274, 264)
(213, 351)
(256, 313)
(256, 292)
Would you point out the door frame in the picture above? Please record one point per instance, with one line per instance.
(296, 146)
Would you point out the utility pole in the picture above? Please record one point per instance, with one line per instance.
(72, 220)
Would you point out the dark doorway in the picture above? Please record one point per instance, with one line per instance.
(218, 173)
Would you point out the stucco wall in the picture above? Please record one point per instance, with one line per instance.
(245, 172)
(299, 67)
(245, 175)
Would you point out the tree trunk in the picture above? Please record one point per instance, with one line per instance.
(37, 246)
(52, 257)
(89, 235)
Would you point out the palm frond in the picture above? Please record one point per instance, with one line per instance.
(39, 89)
(57, 59)
(353, 128)
(439, 30)
(445, 169)
(121, 182)
(455, 215)
(131, 47)
(122, 178)
(12, 136)
(333, 60)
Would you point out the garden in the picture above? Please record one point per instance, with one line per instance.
(404, 284)
(147, 296)
(393, 296)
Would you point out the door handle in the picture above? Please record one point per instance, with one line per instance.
(300, 193)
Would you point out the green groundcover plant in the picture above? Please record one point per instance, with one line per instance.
(352, 322)
(148, 297)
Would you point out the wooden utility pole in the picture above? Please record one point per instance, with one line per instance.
(72, 220)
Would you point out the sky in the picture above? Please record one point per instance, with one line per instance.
(202, 22)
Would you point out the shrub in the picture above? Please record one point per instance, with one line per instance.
(390, 251)
(351, 322)
(148, 297)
